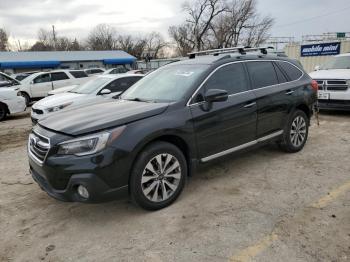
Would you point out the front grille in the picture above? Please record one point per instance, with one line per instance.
(332, 85)
(337, 88)
(38, 146)
(38, 111)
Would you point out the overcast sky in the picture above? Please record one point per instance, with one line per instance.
(74, 18)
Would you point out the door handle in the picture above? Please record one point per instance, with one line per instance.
(250, 105)
(289, 92)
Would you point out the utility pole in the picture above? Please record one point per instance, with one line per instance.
(54, 36)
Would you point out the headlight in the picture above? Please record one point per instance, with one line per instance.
(348, 83)
(57, 108)
(89, 144)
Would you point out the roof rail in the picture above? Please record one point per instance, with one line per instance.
(240, 49)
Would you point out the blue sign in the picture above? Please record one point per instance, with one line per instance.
(320, 49)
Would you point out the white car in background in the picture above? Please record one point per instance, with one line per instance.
(94, 71)
(11, 102)
(101, 87)
(116, 70)
(333, 80)
(38, 85)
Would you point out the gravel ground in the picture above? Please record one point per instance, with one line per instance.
(262, 205)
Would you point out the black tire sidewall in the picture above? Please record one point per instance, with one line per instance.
(2, 117)
(287, 143)
(136, 175)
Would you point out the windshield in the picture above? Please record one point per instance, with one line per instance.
(91, 86)
(167, 84)
(340, 62)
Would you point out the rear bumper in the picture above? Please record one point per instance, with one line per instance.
(334, 104)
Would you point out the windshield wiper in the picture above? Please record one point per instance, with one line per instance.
(137, 99)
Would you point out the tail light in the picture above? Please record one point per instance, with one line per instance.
(314, 85)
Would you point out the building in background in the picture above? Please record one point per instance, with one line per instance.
(15, 62)
(315, 50)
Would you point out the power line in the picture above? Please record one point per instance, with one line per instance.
(314, 17)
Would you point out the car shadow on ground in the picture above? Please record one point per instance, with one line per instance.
(124, 209)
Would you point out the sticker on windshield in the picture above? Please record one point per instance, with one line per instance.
(183, 73)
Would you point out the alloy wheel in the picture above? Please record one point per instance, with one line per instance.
(298, 131)
(161, 177)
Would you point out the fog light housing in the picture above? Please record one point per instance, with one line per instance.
(83, 192)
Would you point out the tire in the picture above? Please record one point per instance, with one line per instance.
(295, 132)
(26, 97)
(3, 112)
(150, 186)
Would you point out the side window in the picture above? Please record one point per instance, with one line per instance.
(262, 74)
(280, 75)
(78, 74)
(292, 71)
(42, 79)
(121, 84)
(231, 78)
(59, 76)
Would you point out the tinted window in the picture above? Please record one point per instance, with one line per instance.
(120, 85)
(262, 74)
(96, 71)
(281, 77)
(78, 74)
(292, 72)
(59, 76)
(231, 78)
(42, 79)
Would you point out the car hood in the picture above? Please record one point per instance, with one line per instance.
(100, 116)
(62, 90)
(331, 74)
(57, 100)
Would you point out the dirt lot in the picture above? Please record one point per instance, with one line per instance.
(262, 205)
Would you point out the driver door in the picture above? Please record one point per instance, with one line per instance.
(223, 126)
(41, 85)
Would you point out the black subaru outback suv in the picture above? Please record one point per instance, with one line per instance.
(179, 116)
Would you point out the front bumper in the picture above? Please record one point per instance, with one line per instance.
(99, 191)
(332, 104)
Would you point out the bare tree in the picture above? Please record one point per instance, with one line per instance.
(220, 23)
(200, 16)
(155, 43)
(4, 44)
(102, 37)
(183, 38)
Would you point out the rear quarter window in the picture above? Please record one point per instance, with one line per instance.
(292, 71)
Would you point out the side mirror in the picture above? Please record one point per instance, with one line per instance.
(317, 68)
(215, 95)
(105, 91)
(32, 82)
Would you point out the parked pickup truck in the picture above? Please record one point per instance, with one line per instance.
(37, 86)
(333, 80)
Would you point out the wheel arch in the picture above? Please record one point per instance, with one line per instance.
(305, 109)
(176, 140)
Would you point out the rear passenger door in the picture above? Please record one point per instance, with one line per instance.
(225, 125)
(60, 79)
(272, 98)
